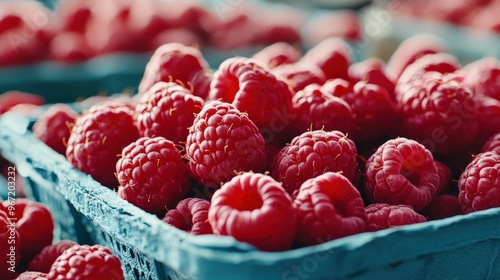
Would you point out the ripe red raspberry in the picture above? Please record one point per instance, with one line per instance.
(32, 275)
(401, 171)
(54, 126)
(182, 64)
(328, 207)
(488, 110)
(440, 62)
(152, 175)
(98, 137)
(190, 215)
(478, 184)
(22, 39)
(332, 55)
(44, 260)
(222, 142)
(373, 110)
(410, 50)
(35, 225)
(444, 172)
(483, 77)
(342, 23)
(254, 208)
(167, 110)
(299, 75)
(439, 111)
(70, 47)
(277, 54)
(276, 24)
(372, 72)
(492, 145)
(12, 98)
(253, 90)
(179, 35)
(442, 206)
(235, 31)
(315, 109)
(86, 262)
(382, 216)
(312, 154)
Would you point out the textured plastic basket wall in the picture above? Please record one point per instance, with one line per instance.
(464, 247)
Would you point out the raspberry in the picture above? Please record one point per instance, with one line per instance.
(74, 16)
(382, 216)
(12, 98)
(442, 206)
(401, 171)
(70, 47)
(235, 31)
(86, 262)
(54, 126)
(276, 24)
(315, 108)
(253, 90)
(488, 110)
(221, 142)
(32, 275)
(439, 111)
(277, 54)
(478, 184)
(372, 108)
(44, 260)
(440, 62)
(167, 110)
(410, 50)
(15, 19)
(299, 75)
(444, 173)
(483, 77)
(179, 35)
(328, 207)
(332, 55)
(98, 137)
(254, 208)
(372, 72)
(35, 225)
(492, 145)
(312, 154)
(190, 215)
(342, 23)
(182, 64)
(152, 175)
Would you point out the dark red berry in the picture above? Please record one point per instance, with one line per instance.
(382, 216)
(190, 215)
(152, 175)
(255, 209)
(328, 207)
(401, 171)
(312, 154)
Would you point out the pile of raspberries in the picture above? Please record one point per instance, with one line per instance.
(288, 149)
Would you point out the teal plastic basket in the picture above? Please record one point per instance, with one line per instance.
(461, 247)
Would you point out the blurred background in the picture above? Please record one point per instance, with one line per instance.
(69, 49)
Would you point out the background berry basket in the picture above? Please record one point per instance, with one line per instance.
(461, 247)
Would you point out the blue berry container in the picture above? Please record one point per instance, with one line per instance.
(461, 247)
